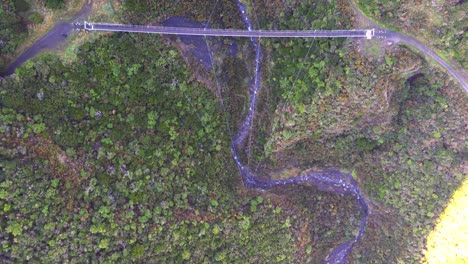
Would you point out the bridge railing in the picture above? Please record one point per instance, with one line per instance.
(88, 26)
(354, 33)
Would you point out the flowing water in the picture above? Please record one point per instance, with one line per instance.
(330, 180)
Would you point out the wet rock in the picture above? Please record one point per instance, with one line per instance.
(40, 95)
(110, 170)
(22, 150)
(19, 132)
(98, 115)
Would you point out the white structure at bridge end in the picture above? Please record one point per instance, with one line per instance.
(370, 33)
(88, 26)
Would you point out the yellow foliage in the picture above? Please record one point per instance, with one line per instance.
(448, 242)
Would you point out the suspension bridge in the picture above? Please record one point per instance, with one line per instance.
(354, 33)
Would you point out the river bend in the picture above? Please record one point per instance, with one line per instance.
(330, 180)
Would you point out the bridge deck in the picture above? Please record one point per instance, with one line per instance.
(359, 33)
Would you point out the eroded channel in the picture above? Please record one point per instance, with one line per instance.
(329, 180)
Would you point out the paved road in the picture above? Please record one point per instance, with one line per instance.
(360, 33)
(459, 75)
(51, 40)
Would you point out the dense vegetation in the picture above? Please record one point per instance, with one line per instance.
(124, 155)
(125, 162)
(54, 4)
(219, 13)
(381, 112)
(313, 60)
(13, 28)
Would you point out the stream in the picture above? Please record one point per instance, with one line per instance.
(330, 180)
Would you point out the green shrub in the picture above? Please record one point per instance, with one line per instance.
(138, 251)
(21, 5)
(365, 144)
(54, 4)
(36, 18)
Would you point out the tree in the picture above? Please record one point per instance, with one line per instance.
(54, 4)
(11, 31)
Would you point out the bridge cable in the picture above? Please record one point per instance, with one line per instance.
(303, 63)
(213, 67)
(299, 72)
(209, 48)
(249, 144)
(186, 95)
(213, 64)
